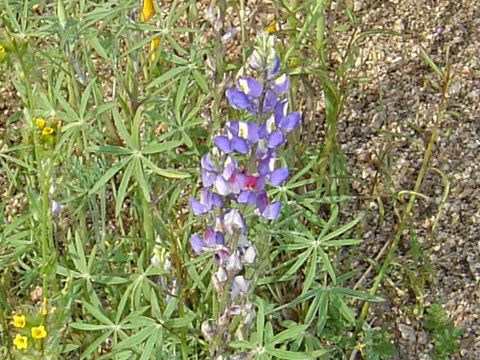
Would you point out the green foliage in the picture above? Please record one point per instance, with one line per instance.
(132, 106)
(443, 334)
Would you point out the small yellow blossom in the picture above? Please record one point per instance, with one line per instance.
(20, 342)
(18, 321)
(39, 332)
(147, 11)
(47, 130)
(40, 122)
(271, 26)
(2, 49)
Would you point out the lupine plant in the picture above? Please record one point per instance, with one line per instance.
(149, 208)
(234, 176)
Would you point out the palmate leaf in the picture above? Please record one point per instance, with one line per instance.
(122, 130)
(109, 174)
(122, 190)
(170, 173)
(140, 177)
(286, 335)
(172, 73)
(284, 354)
(154, 148)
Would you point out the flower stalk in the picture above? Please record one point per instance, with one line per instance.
(234, 175)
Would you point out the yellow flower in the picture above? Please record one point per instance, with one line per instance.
(38, 332)
(2, 49)
(47, 130)
(147, 10)
(18, 321)
(271, 26)
(20, 342)
(40, 123)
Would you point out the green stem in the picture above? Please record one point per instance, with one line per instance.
(147, 221)
(43, 186)
(177, 263)
(409, 206)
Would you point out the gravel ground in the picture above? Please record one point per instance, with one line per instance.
(403, 100)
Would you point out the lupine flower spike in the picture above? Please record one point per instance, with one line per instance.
(234, 176)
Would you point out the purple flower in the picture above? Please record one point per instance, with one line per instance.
(249, 86)
(253, 185)
(231, 181)
(274, 137)
(228, 145)
(283, 120)
(280, 84)
(211, 241)
(208, 171)
(278, 176)
(207, 200)
(233, 221)
(246, 130)
(266, 210)
(239, 286)
(237, 99)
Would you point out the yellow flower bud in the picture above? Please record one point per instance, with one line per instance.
(2, 49)
(147, 11)
(153, 45)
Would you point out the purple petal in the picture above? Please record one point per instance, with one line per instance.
(280, 84)
(274, 66)
(249, 86)
(230, 168)
(233, 220)
(197, 207)
(280, 110)
(262, 201)
(278, 176)
(247, 197)
(212, 237)
(240, 145)
(254, 60)
(276, 138)
(197, 243)
(237, 99)
(265, 166)
(223, 143)
(218, 238)
(289, 122)
(269, 101)
(222, 186)
(237, 182)
(253, 130)
(262, 132)
(207, 163)
(216, 200)
(272, 210)
(208, 178)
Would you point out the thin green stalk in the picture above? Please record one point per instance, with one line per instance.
(181, 312)
(409, 206)
(43, 186)
(147, 220)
